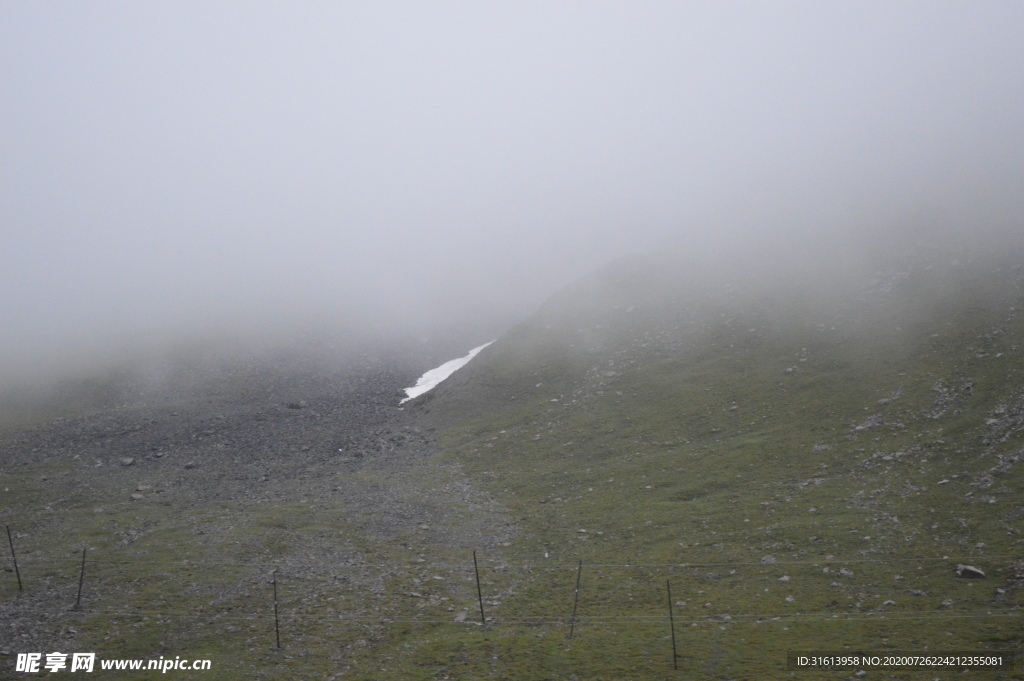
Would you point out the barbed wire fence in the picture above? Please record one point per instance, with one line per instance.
(276, 602)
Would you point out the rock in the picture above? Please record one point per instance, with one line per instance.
(969, 572)
(136, 496)
(916, 592)
(461, 617)
(127, 461)
(142, 488)
(948, 603)
(889, 603)
(190, 465)
(846, 572)
(768, 560)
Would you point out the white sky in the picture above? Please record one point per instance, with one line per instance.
(174, 167)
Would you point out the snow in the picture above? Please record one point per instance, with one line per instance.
(430, 379)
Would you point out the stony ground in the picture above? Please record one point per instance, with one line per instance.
(219, 462)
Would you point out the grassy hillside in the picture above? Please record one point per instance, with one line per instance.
(807, 470)
(804, 459)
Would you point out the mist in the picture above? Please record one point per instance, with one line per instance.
(257, 172)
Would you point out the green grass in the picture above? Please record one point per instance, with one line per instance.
(708, 457)
(700, 457)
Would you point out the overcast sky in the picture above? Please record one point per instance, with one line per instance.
(167, 167)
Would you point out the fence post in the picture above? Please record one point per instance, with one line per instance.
(575, 599)
(479, 593)
(672, 623)
(81, 579)
(14, 556)
(277, 625)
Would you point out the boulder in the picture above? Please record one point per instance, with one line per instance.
(969, 572)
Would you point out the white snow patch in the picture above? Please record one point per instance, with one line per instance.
(430, 379)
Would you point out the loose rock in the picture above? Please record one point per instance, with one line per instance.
(969, 572)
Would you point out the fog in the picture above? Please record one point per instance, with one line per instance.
(174, 171)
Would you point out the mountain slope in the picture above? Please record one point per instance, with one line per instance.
(823, 457)
(804, 454)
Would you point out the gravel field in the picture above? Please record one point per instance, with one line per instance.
(197, 455)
